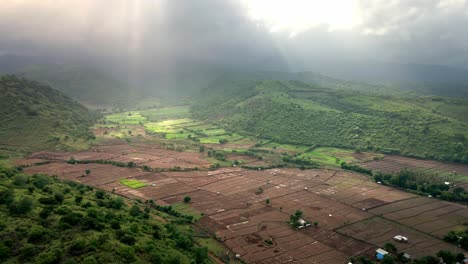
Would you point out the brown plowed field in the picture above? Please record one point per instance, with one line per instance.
(354, 214)
(397, 163)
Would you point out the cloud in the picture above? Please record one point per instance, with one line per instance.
(144, 37)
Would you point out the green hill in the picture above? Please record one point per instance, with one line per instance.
(298, 113)
(35, 116)
(45, 220)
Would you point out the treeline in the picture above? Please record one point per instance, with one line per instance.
(45, 220)
(421, 183)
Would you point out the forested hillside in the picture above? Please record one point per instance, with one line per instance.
(34, 116)
(299, 113)
(45, 220)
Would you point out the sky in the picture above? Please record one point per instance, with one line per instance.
(147, 36)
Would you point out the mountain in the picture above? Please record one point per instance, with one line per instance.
(34, 116)
(87, 84)
(298, 113)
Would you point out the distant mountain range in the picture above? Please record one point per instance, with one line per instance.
(99, 85)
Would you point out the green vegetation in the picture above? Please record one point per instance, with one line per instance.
(458, 238)
(45, 220)
(424, 183)
(132, 183)
(35, 116)
(185, 209)
(291, 112)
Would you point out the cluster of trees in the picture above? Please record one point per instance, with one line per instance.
(45, 220)
(423, 184)
(356, 168)
(300, 161)
(458, 238)
(219, 155)
(170, 210)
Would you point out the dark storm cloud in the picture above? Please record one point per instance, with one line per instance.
(159, 34)
(162, 36)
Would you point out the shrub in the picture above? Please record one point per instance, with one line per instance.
(7, 196)
(100, 194)
(128, 239)
(27, 251)
(22, 206)
(49, 257)
(40, 181)
(4, 251)
(36, 234)
(59, 197)
(20, 180)
(187, 199)
(77, 247)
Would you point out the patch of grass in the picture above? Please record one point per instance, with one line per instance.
(132, 183)
(126, 118)
(186, 209)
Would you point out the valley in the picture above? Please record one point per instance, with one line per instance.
(244, 189)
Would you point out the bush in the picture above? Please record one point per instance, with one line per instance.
(36, 234)
(59, 197)
(201, 254)
(22, 206)
(128, 239)
(90, 260)
(50, 257)
(40, 181)
(4, 251)
(27, 251)
(77, 247)
(20, 180)
(100, 194)
(187, 199)
(126, 253)
(7, 196)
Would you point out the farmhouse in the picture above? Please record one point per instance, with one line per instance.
(303, 223)
(400, 238)
(380, 253)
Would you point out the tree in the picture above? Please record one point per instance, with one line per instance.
(387, 259)
(100, 194)
(201, 254)
(59, 197)
(187, 199)
(447, 256)
(390, 247)
(267, 201)
(20, 180)
(7, 196)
